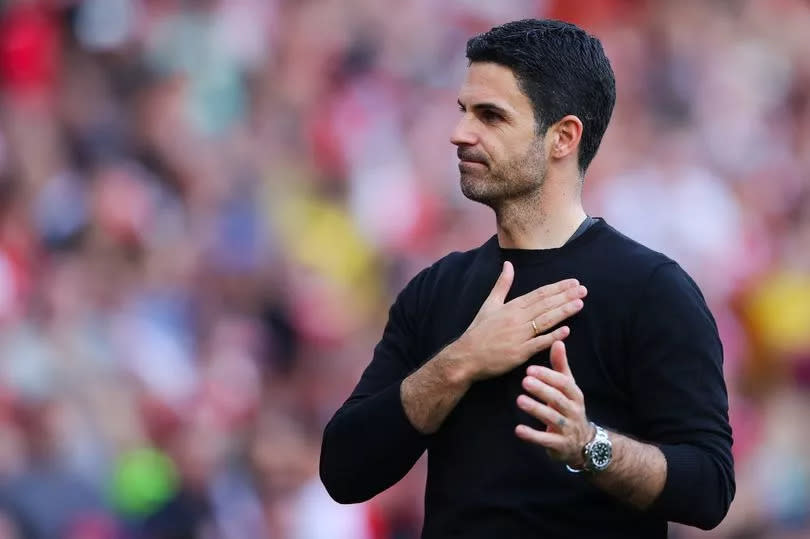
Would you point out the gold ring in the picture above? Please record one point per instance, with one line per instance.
(534, 327)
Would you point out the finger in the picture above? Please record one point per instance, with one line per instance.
(559, 359)
(550, 395)
(556, 315)
(566, 384)
(501, 288)
(571, 295)
(548, 415)
(543, 292)
(541, 342)
(549, 440)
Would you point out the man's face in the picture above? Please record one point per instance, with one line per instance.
(501, 157)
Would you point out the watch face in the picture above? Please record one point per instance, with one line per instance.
(601, 453)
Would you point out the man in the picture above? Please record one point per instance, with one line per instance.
(612, 434)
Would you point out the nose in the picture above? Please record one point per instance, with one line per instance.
(462, 134)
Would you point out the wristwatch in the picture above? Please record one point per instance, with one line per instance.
(598, 452)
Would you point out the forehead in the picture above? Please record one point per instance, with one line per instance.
(491, 82)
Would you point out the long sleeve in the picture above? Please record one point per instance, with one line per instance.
(369, 444)
(676, 373)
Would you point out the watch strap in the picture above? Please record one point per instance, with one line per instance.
(600, 434)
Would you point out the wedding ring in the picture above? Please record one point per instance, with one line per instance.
(534, 327)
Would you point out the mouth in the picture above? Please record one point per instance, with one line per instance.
(467, 157)
(465, 163)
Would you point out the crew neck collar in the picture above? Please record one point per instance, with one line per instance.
(534, 256)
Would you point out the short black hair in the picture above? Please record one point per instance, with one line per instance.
(561, 68)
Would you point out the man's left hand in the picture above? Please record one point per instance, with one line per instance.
(558, 402)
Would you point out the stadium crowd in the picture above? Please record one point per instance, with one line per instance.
(207, 206)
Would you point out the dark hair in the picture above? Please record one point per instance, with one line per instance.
(561, 68)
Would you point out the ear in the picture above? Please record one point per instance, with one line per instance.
(565, 138)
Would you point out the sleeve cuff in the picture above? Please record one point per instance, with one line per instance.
(392, 413)
(689, 494)
(682, 467)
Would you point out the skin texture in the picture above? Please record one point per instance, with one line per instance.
(532, 181)
(500, 157)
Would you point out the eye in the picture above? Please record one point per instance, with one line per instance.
(490, 116)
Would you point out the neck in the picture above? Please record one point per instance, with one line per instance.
(543, 220)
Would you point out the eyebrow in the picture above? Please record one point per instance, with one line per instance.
(487, 106)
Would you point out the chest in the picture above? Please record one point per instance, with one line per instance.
(596, 348)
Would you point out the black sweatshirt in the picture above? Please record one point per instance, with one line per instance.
(644, 350)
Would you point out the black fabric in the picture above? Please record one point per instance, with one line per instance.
(583, 226)
(644, 350)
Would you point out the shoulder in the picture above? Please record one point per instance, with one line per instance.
(650, 277)
(623, 251)
(451, 270)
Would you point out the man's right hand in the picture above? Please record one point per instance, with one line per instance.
(502, 336)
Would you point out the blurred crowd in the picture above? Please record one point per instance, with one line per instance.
(207, 206)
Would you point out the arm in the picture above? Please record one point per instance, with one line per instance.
(369, 444)
(379, 433)
(637, 472)
(430, 394)
(685, 473)
(682, 404)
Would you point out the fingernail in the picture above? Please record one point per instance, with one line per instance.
(521, 400)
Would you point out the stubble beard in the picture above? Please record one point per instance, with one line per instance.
(519, 179)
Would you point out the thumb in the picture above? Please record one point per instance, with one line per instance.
(559, 358)
(501, 288)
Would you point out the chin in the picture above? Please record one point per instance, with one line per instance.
(478, 189)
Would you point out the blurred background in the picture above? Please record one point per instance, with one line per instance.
(206, 208)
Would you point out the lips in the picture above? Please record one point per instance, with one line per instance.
(466, 156)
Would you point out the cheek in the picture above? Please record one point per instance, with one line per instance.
(535, 152)
(524, 141)
(507, 147)
(534, 160)
(497, 149)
